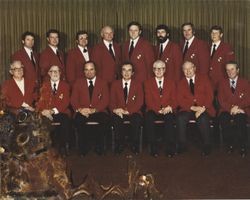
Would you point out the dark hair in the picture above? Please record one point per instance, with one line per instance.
(232, 62)
(134, 23)
(80, 33)
(90, 61)
(188, 24)
(27, 33)
(128, 63)
(162, 26)
(52, 31)
(216, 27)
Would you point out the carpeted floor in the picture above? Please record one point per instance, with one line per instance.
(185, 176)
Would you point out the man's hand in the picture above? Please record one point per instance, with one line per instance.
(166, 110)
(47, 113)
(198, 110)
(85, 111)
(120, 112)
(236, 110)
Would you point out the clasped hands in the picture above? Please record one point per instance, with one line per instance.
(236, 110)
(198, 110)
(86, 111)
(48, 113)
(165, 110)
(120, 112)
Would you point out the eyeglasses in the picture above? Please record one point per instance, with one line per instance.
(158, 69)
(54, 71)
(17, 69)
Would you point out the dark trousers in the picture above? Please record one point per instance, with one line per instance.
(203, 125)
(135, 120)
(83, 135)
(234, 127)
(61, 132)
(169, 136)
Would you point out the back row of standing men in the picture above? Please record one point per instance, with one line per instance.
(194, 94)
(108, 55)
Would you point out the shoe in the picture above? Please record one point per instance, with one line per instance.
(243, 152)
(230, 149)
(119, 149)
(99, 150)
(169, 153)
(135, 149)
(206, 151)
(154, 151)
(182, 149)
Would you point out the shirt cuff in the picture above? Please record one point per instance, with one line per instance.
(55, 111)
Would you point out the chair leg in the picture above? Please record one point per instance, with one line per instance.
(113, 139)
(141, 139)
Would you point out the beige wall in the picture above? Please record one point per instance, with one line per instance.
(69, 16)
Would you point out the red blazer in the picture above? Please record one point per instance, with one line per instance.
(30, 72)
(198, 53)
(14, 97)
(241, 96)
(203, 94)
(75, 65)
(222, 55)
(49, 58)
(142, 58)
(80, 95)
(60, 100)
(172, 56)
(152, 95)
(107, 67)
(135, 97)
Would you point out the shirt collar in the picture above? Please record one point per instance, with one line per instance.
(54, 82)
(28, 51)
(107, 43)
(216, 43)
(81, 48)
(190, 41)
(164, 44)
(53, 48)
(193, 78)
(135, 41)
(123, 82)
(93, 80)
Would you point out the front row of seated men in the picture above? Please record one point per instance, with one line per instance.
(90, 98)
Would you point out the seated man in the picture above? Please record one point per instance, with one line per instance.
(195, 97)
(160, 96)
(234, 99)
(126, 101)
(53, 104)
(19, 92)
(90, 99)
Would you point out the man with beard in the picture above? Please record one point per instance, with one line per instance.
(168, 52)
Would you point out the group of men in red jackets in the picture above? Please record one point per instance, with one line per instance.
(135, 82)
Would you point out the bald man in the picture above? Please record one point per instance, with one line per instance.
(107, 55)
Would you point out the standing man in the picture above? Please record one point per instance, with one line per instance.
(139, 51)
(220, 54)
(107, 56)
(53, 104)
(28, 57)
(168, 52)
(195, 97)
(160, 97)
(234, 99)
(19, 92)
(194, 49)
(77, 57)
(126, 101)
(52, 55)
(90, 99)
